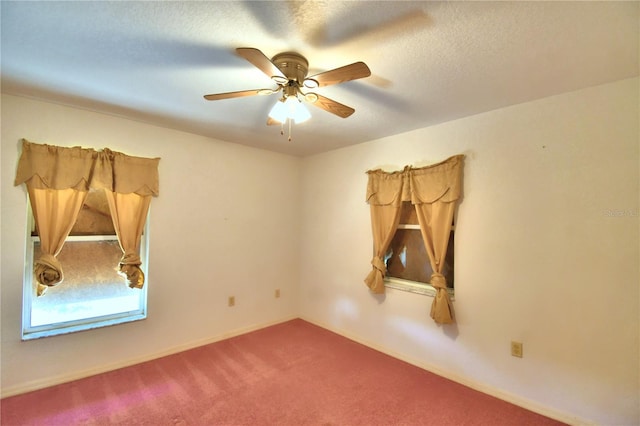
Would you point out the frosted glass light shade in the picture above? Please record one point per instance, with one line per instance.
(298, 111)
(279, 112)
(290, 108)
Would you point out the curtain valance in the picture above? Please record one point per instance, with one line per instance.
(436, 182)
(55, 167)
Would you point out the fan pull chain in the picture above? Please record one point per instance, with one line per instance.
(289, 120)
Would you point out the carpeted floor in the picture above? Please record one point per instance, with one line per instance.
(290, 374)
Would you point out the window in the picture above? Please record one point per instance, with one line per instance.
(407, 262)
(92, 293)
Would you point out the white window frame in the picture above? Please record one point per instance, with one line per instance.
(30, 332)
(410, 286)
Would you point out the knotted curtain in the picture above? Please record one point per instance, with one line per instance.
(58, 180)
(434, 191)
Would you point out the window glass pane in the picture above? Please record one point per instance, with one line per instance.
(94, 217)
(407, 258)
(408, 215)
(92, 293)
(91, 286)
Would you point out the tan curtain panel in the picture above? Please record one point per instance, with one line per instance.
(129, 212)
(434, 191)
(384, 196)
(55, 211)
(58, 179)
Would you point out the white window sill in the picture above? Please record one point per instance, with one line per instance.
(414, 287)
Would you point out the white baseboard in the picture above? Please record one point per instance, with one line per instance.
(481, 387)
(76, 375)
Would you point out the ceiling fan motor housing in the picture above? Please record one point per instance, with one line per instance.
(293, 65)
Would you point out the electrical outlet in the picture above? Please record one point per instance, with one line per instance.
(277, 293)
(516, 349)
(232, 300)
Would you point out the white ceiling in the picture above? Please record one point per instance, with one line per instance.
(431, 62)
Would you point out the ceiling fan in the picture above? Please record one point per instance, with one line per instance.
(289, 71)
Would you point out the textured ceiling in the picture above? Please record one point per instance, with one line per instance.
(431, 62)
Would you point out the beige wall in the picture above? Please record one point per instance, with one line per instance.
(547, 253)
(226, 223)
(542, 255)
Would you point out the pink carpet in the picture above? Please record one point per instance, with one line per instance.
(290, 374)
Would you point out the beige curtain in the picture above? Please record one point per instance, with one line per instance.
(135, 181)
(129, 213)
(58, 178)
(57, 181)
(384, 195)
(55, 212)
(434, 190)
(435, 225)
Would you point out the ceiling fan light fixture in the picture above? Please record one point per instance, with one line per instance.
(311, 83)
(289, 71)
(280, 80)
(297, 110)
(279, 112)
(311, 97)
(289, 108)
